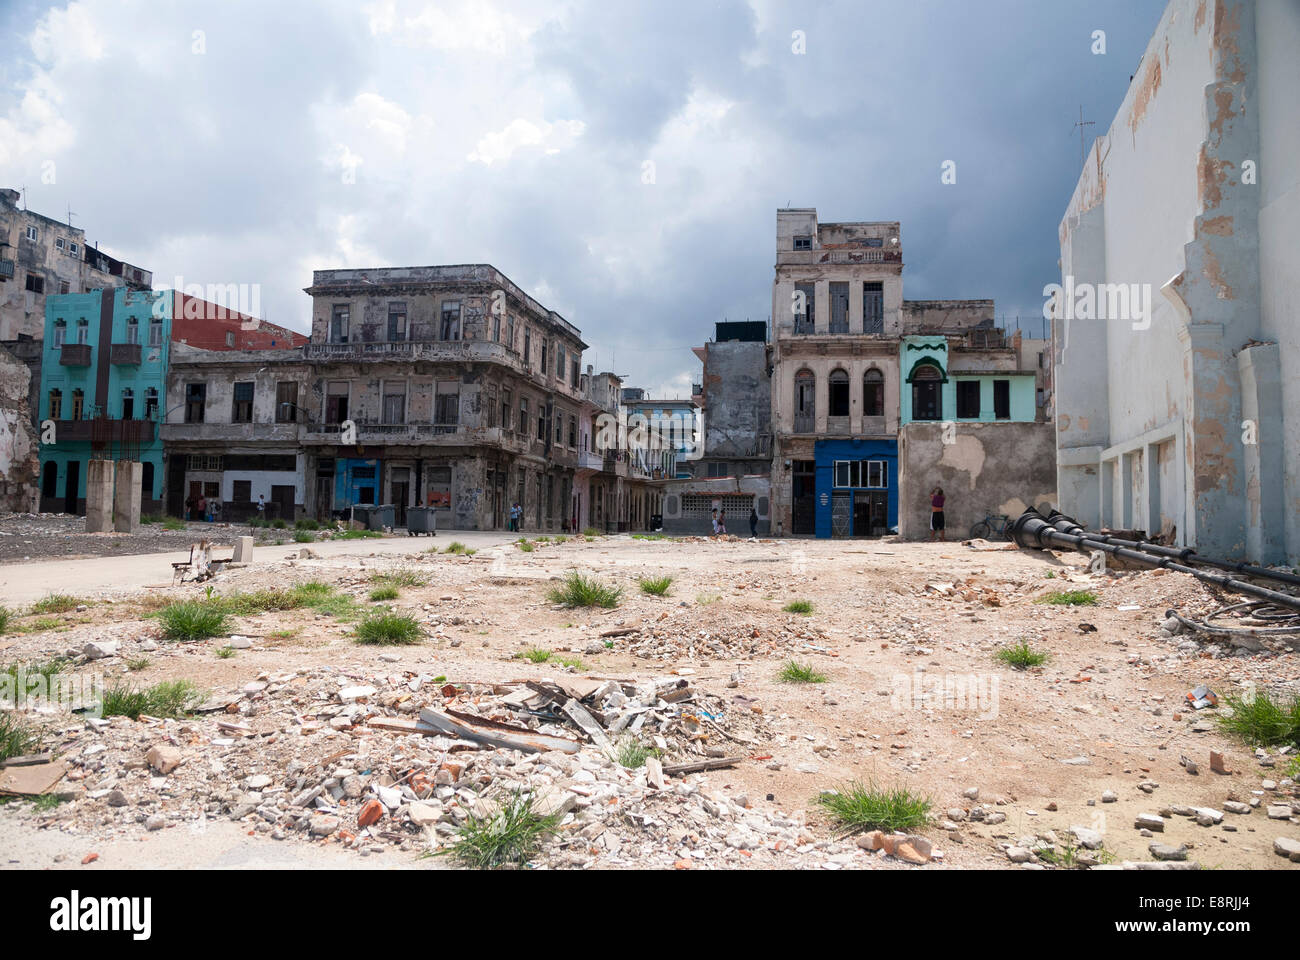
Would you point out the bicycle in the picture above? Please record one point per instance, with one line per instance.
(992, 527)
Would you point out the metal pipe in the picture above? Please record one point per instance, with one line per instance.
(1032, 531)
(1186, 555)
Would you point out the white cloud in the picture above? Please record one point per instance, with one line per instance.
(520, 133)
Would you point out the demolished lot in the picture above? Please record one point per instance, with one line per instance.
(781, 704)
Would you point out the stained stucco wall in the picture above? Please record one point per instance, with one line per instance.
(990, 468)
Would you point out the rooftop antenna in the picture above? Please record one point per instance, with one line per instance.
(1083, 147)
(69, 216)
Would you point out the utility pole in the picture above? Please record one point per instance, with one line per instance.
(1083, 144)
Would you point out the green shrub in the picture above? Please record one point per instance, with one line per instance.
(799, 606)
(304, 536)
(524, 545)
(795, 672)
(6, 617)
(384, 593)
(306, 523)
(865, 806)
(173, 523)
(591, 533)
(1262, 719)
(386, 628)
(580, 591)
(193, 620)
(534, 654)
(404, 577)
(508, 838)
(1022, 656)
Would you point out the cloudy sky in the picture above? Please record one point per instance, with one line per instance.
(621, 161)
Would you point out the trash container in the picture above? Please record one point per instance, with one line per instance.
(380, 518)
(421, 520)
(360, 513)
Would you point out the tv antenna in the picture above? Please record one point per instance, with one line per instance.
(1083, 144)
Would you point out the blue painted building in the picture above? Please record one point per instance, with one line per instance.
(856, 487)
(103, 375)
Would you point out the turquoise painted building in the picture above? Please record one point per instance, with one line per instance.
(103, 382)
(934, 390)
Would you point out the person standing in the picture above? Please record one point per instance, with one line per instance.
(261, 506)
(722, 522)
(203, 507)
(753, 523)
(936, 514)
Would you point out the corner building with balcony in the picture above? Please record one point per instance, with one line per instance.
(446, 386)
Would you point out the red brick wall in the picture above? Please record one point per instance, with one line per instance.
(203, 324)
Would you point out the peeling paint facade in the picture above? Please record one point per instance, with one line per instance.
(1183, 422)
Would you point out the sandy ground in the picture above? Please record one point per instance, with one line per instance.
(1106, 712)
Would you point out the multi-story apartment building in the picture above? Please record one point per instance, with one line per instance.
(446, 386)
(734, 398)
(674, 426)
(232, 430)
(41, 257)
(854, 366)
(104, 374)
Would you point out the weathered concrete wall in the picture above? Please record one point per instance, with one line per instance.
(128, 476)
(1172, 200)
(19, 452)
(99, 496)
(737, 400)
(989, 468)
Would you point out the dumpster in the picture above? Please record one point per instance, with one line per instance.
(421, 520)
(360, 513)
(380, 518)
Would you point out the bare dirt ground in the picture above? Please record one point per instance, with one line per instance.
(25, 537)
(905, 633)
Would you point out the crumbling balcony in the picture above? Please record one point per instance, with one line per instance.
(74, 355)
(125, 353)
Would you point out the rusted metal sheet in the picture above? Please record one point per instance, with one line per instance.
(495, 733)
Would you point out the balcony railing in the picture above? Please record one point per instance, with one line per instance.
(74, 355)
(125, 353)
(102, 430)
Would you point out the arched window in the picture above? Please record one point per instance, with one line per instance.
(805, 401)
(927, 393)
(873, 393)
(839, 394)
(56, 406)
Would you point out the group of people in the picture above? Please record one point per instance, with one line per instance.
(720, 523)
(201, 508)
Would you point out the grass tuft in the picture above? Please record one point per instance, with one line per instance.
(17, 736)
(858, 806)
(458, 549)
(534, 654)
(796, 672)
(580, 591)
(1022, 656)
(304, 536)
(384, 593)
(404, 577)
(173, 523)
(1070, 598)
(1262, 719)
(387, 629)
(705, 599)
(591, 533)
(56, 603)
(633, 754)
(226, 652)
(656, 586)
(523, 544)
(508, 838)
(136, 664)
(174, 698)
(193, 620)
(6, 617)
(798, 606)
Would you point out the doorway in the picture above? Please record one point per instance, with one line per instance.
(282, 496)
(399, 491)
(804, 498)
(72, 483)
